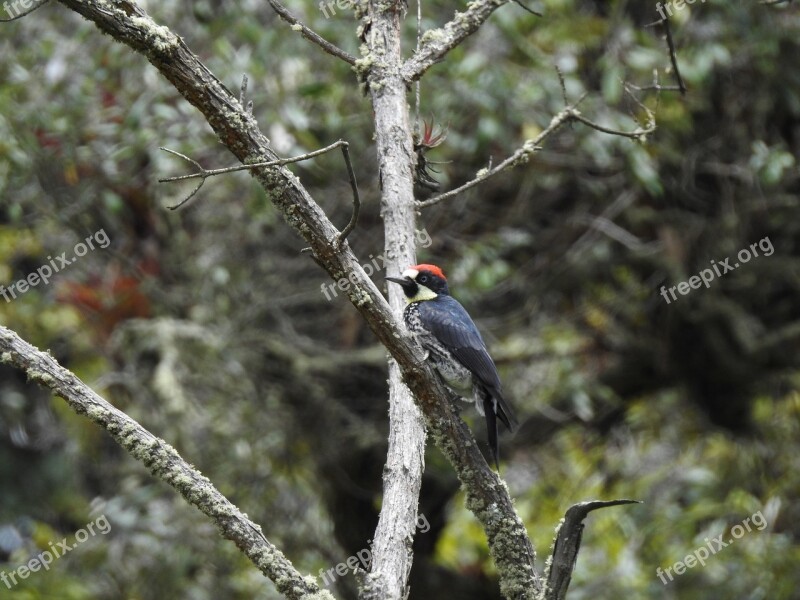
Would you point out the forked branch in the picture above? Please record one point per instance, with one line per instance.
(203, 174)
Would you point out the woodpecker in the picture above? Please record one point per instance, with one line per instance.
(455, 347)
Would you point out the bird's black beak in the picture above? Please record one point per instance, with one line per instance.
(406, 282)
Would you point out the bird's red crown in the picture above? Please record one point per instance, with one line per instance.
(430, 269)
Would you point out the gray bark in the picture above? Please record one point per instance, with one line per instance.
(402, 477)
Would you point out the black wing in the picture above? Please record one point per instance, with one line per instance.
(446, 319)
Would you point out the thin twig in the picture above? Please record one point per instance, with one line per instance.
(310, 35)
(356, 199)
(636, 134)
(655, 88)
(204, 174)
(650, 113)
(563, 85)
(243, 96)
(530, 10)
(673, 57)
(27, 12)
(356, 205)
(608, 214)
(243, 90)
(522, 154)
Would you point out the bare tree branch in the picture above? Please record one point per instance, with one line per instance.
(656, 87)
(523, 154)
(567, 544)
(310, 35)
(520, 156)
(673, 57)
(204, 174)
(248, 105)
(527, 8)
(436, 43)
(164, 462)
(351, 175)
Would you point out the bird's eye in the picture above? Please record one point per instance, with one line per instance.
(423, 278)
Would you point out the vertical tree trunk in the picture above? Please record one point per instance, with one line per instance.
(392, 556)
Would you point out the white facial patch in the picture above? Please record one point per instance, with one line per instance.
(423, 292)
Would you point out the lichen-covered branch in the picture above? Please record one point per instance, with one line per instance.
(164, 462)
(436, 43)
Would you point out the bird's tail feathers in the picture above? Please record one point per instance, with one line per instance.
(505, 412)
(491, 428)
